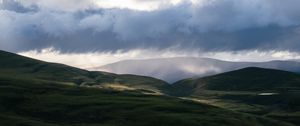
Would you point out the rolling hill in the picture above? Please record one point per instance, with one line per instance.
(37, 93)
(174, 69)
(24, 67)
(265, 92)
(246, 79)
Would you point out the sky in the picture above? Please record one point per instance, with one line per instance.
(89, 33)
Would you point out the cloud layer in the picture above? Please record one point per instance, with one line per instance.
(96, 25)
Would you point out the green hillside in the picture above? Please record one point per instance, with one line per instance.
(267, 92)
(24, 67)
(247, 79)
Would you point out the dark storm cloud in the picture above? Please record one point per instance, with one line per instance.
(211, 25)
(13, 5)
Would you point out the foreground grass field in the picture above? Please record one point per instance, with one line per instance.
(284, 107)
(44, 103)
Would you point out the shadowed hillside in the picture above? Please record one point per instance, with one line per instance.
(247, 79)
(23, 67)
(42, 103)
(268, 92)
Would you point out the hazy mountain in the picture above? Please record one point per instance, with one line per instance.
(173, 69)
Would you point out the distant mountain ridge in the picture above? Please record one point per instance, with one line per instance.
(174, 69)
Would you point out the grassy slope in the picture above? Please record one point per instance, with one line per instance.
(30, 102)
(253, 79)
(239, 90)
(23, 67)
(247, 79)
